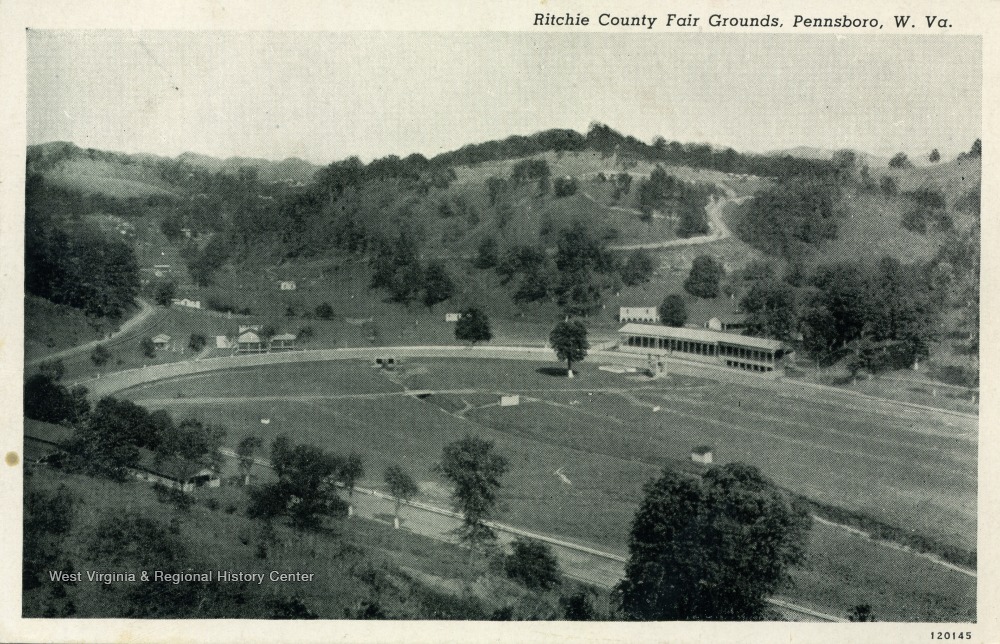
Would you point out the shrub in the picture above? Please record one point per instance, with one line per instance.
(532, 564)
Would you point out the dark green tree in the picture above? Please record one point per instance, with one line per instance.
(304, 491)
(711, 549)
(638, 268)
(474, 470)
(473, 326)
(196, 342)
(569, 341)
(438, 285)
(401, 486)
(934, 156)
(770, 309)
(245, 452)
(164, 293)
(673, 311)
(324, 311)
(900, 160)
(532, 564)
(703, 280)
(578, 607)
(488, 253)
(862, 612)
(100, 355)
(48, 518)
(349, 472)
(147, 347)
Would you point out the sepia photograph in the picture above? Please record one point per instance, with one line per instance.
(559, 325)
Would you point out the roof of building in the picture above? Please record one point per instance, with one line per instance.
(176, 469)
(163, 337)
(248, 336)
(733, 318)
(701, 335)
(286, 337)
(46, 432)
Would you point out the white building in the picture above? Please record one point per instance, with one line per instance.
(638, 314)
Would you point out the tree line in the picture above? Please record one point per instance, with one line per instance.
(68, 261)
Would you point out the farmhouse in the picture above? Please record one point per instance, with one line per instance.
(638, 314)
(287, 285)
(162, 342)
(179, 474)
(283, 342)
(759, 355)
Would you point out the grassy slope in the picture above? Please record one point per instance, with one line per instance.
(350, 559)
(50, 327)
(610, 448)
(110, 178)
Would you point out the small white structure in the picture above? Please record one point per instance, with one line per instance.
(222, 342)
(162, 342)
(287, 285)
(734, 322)
(638, 314)
(188, 303)
(510, 400)
(702, 454)
(452, 317)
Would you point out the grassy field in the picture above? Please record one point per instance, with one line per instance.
(51, 327)
(912, 474)
(105, 177)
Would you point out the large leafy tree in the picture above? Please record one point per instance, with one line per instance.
(711, 549)
(569, 340)
(304, 491)
(438, 285)
(673, 311)
(532, 564)
(401, 486)
(245, 453)
(703, 280)
(473, 326)
(474, 470)
(770, 309)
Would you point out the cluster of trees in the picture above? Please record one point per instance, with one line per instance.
(48, 400)
(608, 141)
(575, 276)
(926, 212)
(397, 269)
(68, 262)
(665, 192)
(789, 218)
(306, 490)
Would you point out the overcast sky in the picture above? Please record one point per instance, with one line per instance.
(326, 96)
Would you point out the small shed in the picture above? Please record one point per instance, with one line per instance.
(287, 285)
(162, 342)
(283, 342)
(702, 454)
(179, 474)
(387, 362)
(222, 342)
(511, 400)
(188, 303)
(452, 317)
(734, 322)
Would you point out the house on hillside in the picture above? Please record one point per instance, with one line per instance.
(734, 322)
(638, 314)
(187, 303)
(452, 317)
(283, 342)
(287, 285)
(179, 474)
(249, 342)
(161, 342)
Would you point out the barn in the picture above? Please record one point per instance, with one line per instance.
(757, 355)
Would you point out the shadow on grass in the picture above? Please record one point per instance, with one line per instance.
(559, 372)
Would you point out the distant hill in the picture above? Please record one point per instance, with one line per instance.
(822, 154)
(118, 174)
